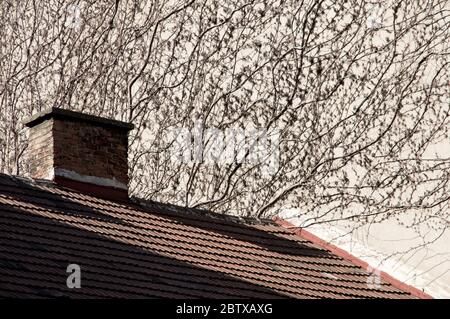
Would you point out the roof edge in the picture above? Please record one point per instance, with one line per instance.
(60, 113)
(189, 211)
(301, 232)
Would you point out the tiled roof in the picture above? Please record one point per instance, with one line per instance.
(142, 250)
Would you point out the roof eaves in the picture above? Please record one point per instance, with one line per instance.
(301, 232)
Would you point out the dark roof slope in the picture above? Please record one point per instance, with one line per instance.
(145, 250)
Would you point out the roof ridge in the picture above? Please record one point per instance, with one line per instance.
(181, 210)
(204, 212)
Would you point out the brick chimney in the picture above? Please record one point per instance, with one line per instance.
(79, 151)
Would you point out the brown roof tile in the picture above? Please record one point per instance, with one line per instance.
(144, 250)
